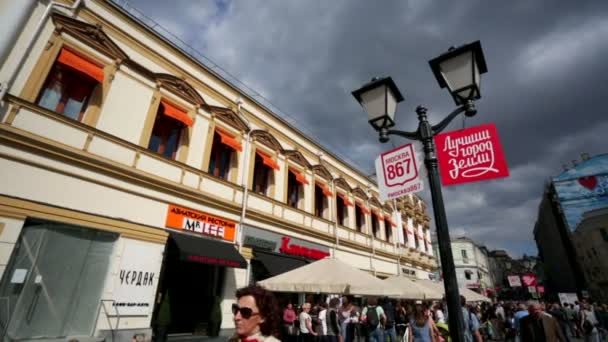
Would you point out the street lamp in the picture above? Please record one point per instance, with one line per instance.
(459, 70)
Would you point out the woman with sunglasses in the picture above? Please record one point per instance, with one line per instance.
(256, 317)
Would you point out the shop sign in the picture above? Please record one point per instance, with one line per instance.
(528, 279)
(135, 284)
(200, 223)
(470, 155)
(410, 272)
(474, 285)
(514, 280)
(272, 242)
(400, 171)
(532, 289)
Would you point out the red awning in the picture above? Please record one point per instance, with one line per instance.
(67, 57)
(393, 224)
(345, 199)
(178, 114)
(380, 217)
(299, 176)
(268, 160)
(326, 191)
(363, 209)
(229, 140)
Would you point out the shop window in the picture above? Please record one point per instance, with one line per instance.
(360, 218)
(169, 127)
(54, 281)
(295, 189)
(263, 175)
(223, 155)
(321, 200)
(71, 86)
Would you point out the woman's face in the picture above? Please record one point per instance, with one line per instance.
(248, 326)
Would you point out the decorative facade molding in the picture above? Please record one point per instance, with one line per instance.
(374, 201)
(229, 117)
(342, 183)
(180, 87)
(266, 139)
(359, 193)
(296, 156)
(91, 35)
(322, 172)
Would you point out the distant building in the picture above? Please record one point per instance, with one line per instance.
(502, 266)
(471, 263)
(591, 244)
(567, 197)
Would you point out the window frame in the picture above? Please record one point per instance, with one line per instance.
(34, 84)
(214, 154)
(360, 221)
(321, 201)
(295, 188)
(270, 177)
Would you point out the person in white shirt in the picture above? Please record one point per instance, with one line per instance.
(439, 316)
(306, 332)
(323, 319)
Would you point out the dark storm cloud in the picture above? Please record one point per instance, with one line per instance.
(545, 89)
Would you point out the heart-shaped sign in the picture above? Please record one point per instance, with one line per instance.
(588, 182)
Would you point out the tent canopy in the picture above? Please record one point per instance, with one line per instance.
(329, 275)
(470, 295)
(412, 289)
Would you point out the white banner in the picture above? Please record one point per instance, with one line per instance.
(514, 280)
(400, 171)
(567, 298)
(137, 278)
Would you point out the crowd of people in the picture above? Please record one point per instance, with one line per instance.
(348, 319)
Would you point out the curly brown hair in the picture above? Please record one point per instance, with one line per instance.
(268, 306)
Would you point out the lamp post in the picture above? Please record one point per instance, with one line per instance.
(459, 70)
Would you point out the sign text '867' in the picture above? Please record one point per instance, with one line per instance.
(399, 172)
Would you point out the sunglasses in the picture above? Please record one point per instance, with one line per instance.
(246, 313)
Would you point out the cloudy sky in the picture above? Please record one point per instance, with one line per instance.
(545, 89)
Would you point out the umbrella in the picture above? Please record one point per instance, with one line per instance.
(411, 289)
(470, 295)
(329, 275)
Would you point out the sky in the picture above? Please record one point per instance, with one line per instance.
(545, 88)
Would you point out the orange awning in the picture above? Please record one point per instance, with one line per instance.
(380, 217)
(299, 176)
(268, 160)
(345, 199)
(71, 59)
(388, 219)
(176, 113)
(229, 140)
(326, 191)
(409, 232)
(363, 209)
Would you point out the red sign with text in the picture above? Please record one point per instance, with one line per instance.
(470, 155)
(528, 279)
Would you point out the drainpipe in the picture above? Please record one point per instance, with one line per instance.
(50, 8)
(396, 236)
(373, 238)
(334, 215)
(245, 167)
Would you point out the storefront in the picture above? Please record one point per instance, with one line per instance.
(53, 284)
(199, 251)
(274, 254)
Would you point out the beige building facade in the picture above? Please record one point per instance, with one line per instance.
(136, 181)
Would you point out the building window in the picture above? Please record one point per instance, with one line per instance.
(388, 229)
(416, 239)
(223, 155)
(169, 127)
(360, 213)
(295, 188)
(342, 204)
(70, 86)
(468, 274)
(426, 246)
(405, 235)
(465, 258)
(263, 175)
(375, 225)
(321, 200)
(604, 233)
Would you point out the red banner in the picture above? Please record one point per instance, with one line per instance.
(528, 279)
(470, 155)
(540, 289)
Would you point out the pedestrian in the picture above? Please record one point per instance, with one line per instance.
(540, 327)
(306, 331)
(373, 316)
(332, 333)
(589, 323)
(289, 317)
(499, 322)
(346, 324)
(420, 325)
(256, 315)
(389, 325)
(323, 320)
(559, 314)
(439, 316)
(517, 317)
(400, 320)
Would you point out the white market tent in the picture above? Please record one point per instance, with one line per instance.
(470, 295)
(411, 289)
(329, 275)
